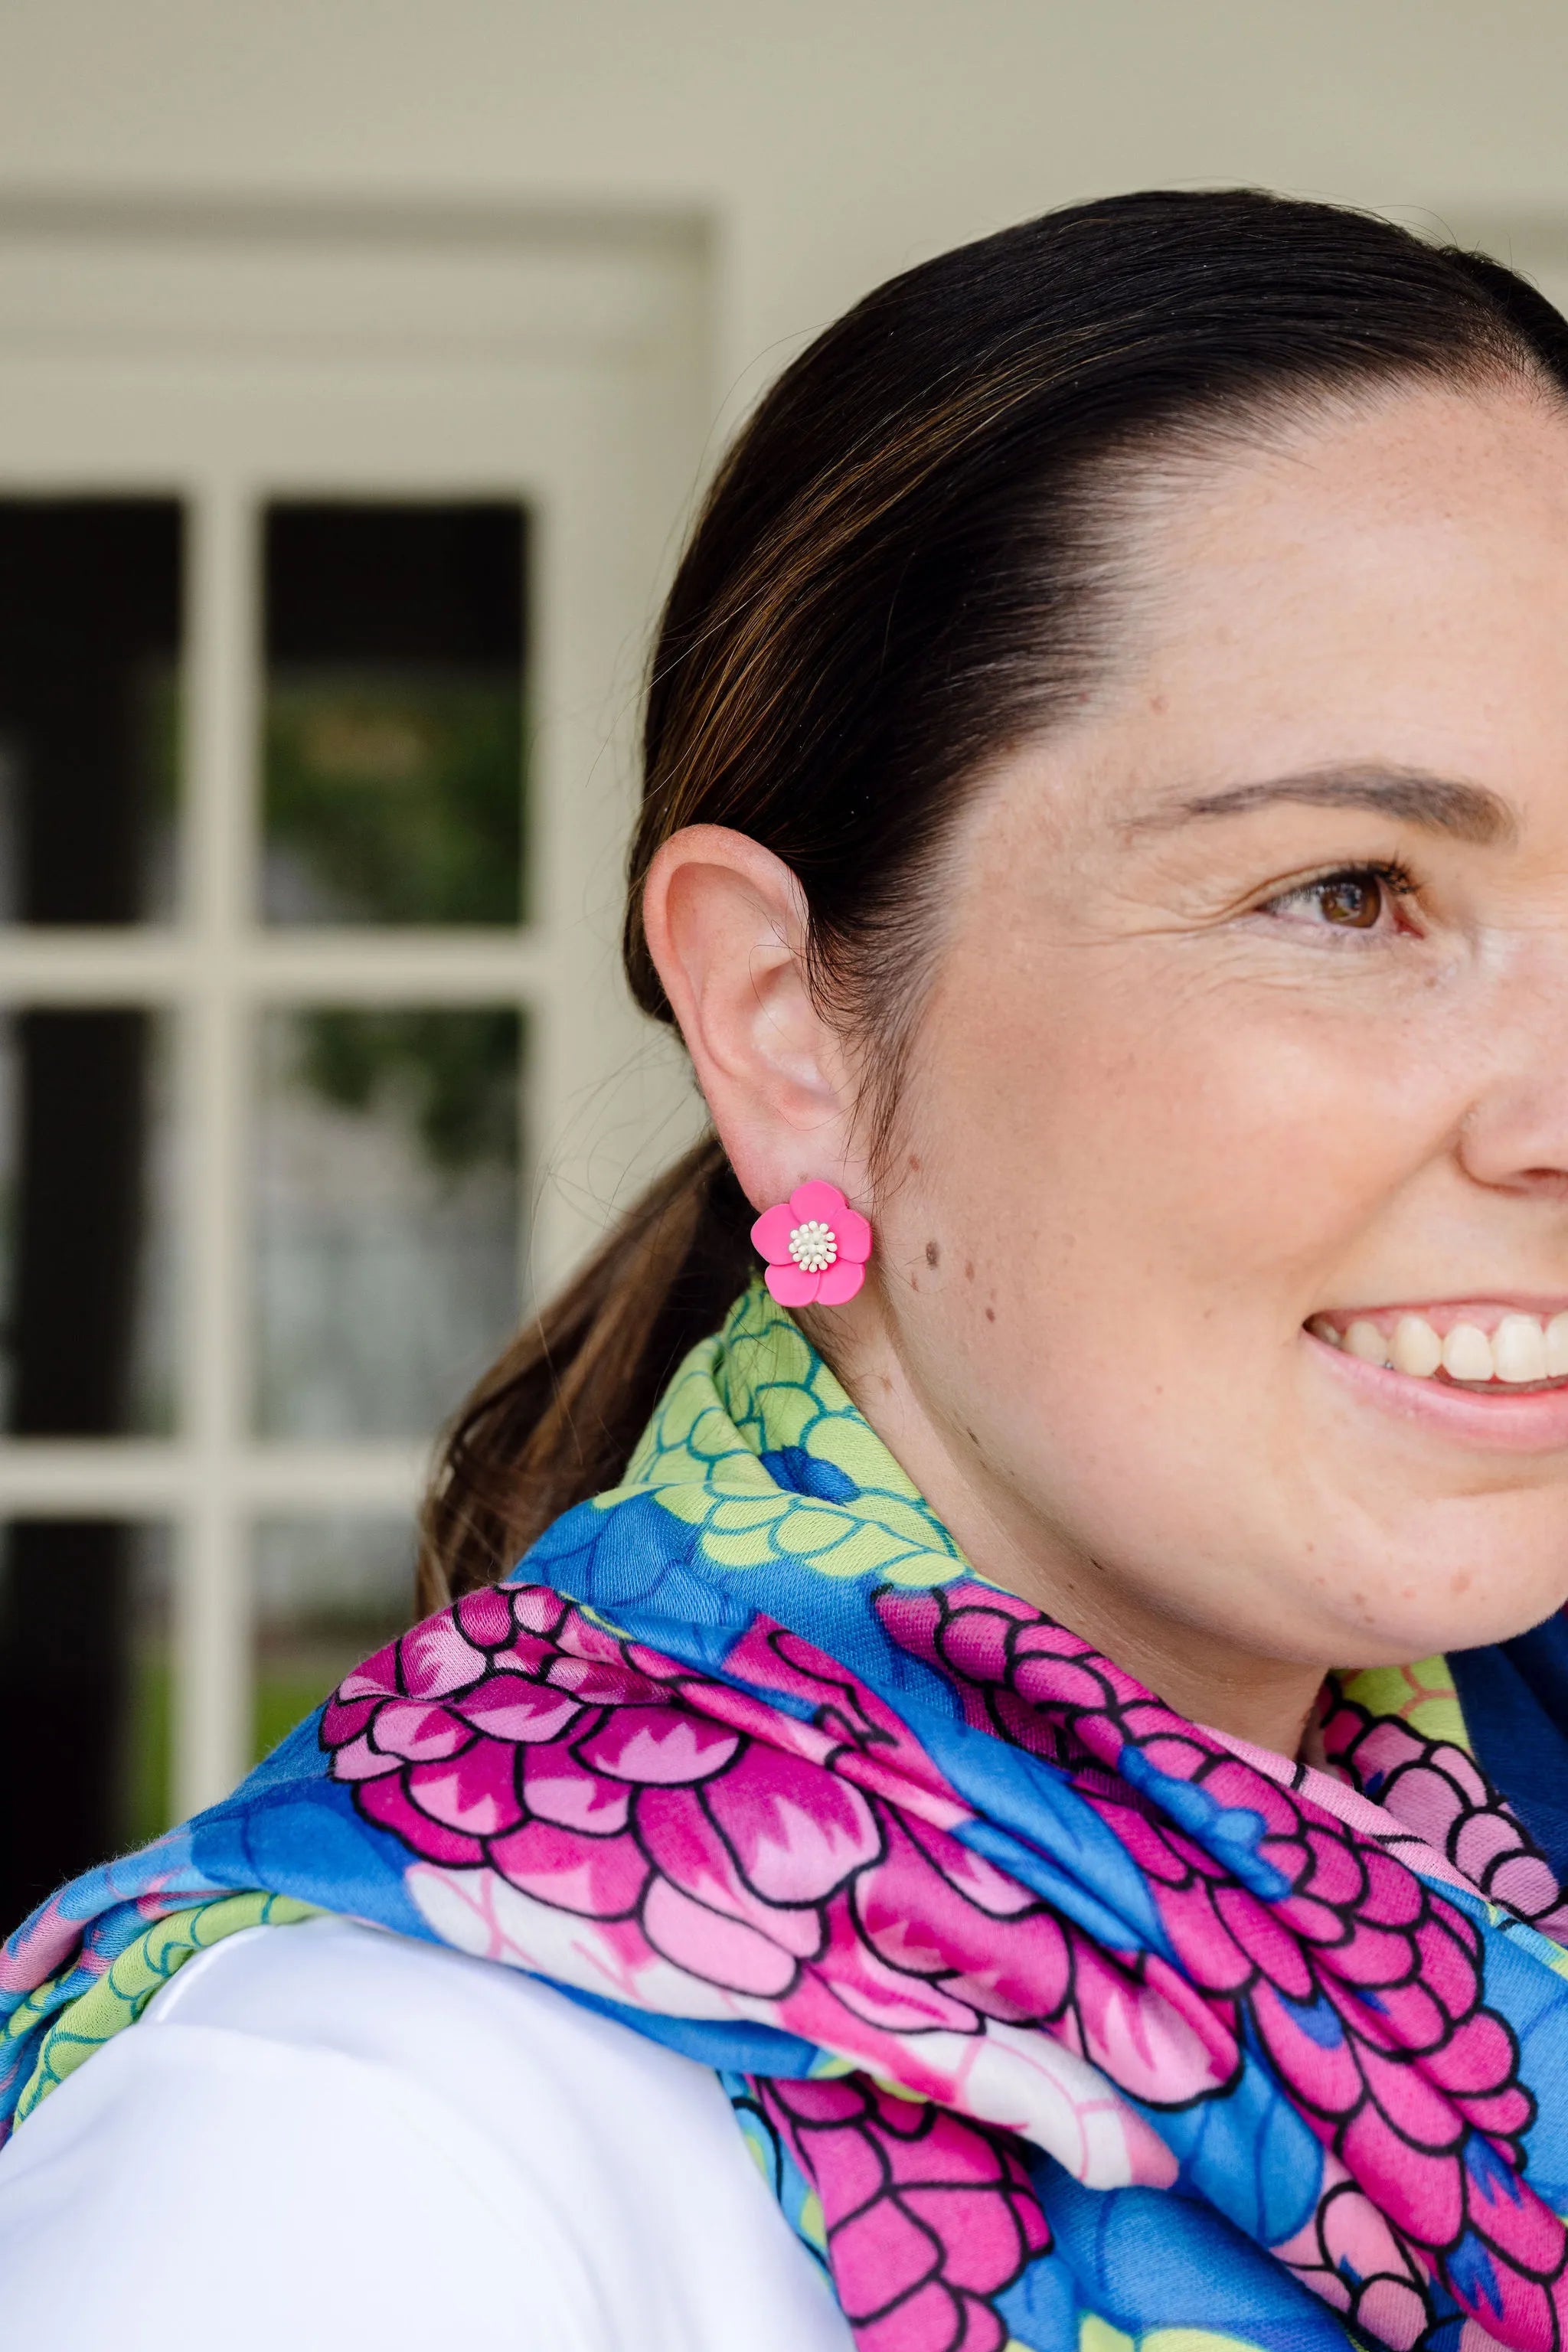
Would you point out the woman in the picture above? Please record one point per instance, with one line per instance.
(1106, 850)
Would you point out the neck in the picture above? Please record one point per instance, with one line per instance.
(1194, 1668)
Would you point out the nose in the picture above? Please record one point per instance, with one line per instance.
(1514, 1136)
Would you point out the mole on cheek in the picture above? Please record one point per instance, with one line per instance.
(932, 1253)
(991, 1315)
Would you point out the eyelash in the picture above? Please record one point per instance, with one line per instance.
(1394, 876)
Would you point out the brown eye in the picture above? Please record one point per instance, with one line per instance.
(1356, 898)
(1353, 901)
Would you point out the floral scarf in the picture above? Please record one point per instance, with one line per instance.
(1053, 2020)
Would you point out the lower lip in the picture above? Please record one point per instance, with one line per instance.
(1536, 1423)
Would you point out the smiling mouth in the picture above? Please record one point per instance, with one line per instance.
(1492, 1350)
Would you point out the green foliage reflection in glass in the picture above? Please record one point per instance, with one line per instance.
(452, 1075)
(395, 796)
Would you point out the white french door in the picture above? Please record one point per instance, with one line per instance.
(382, 1099)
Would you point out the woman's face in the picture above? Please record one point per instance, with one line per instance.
(1244, 1063)
(1250, 1039)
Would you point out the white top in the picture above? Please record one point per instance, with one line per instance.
(323, 2136)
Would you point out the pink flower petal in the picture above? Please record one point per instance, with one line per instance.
(1354, 2233)
(386, 1804)
(410, 1728)
(1526, 1883)
(852, 1231)
(475, 1792)
(536, 1608)
(771, 1233)
(376, 1677)
(1390, 2312)
(1140, 2039)
(792, 1286)
(818, 1200)
(685, 1847)
(721, 1951)
(509, 1708)
(656, 1744)
(836, 1284)
(977, 2229)
(344, 1721)
(1421, 2191)
(969, 1874)
(599, 1877)
(796, 1831)
(919, 1923)
(561, 1790)
(880, 2256)
(863, 1982)
(602, 1682)
(436, 1659)
(486, 1617)
(358, 1760)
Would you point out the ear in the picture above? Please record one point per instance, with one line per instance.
(726, 926)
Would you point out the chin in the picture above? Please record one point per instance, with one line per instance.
(1412, 1573)
(1458, 1609)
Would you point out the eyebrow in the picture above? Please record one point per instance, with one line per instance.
(1441, 803)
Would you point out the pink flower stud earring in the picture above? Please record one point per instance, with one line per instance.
(816, 1245)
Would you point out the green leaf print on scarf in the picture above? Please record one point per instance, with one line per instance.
(142, 1968)
(755, 1394)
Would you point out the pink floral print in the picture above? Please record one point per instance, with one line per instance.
(806, 1868)
(989, 1949)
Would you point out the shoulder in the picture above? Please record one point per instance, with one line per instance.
(387, 2136)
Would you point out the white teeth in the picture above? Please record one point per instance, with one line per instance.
(1467, 1353)
(1521, 1351)
(1366, 1341)
(1415, 1347)
(1519, 1348)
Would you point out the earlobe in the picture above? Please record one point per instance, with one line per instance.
(726, 924)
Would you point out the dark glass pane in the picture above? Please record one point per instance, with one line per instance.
(85, 1685)
(329, 1590)
(393, 713)
(91, 595)
(85, 1223)
(387, 1216)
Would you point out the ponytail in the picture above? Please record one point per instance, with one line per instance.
(555, 1421)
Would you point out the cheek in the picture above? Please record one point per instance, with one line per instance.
(1155, 1170)
(1112, 1220)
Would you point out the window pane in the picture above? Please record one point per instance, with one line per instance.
(90, 595)
(387, 1215)
(85, 1689)
(85, 1224)
(393, 726)
(329, 1592)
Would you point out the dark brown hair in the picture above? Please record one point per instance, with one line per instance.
(900, 574)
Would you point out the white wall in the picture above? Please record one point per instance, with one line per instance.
(829, 141)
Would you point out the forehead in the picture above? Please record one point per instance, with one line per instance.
(1387, 582)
